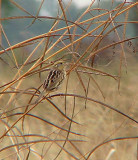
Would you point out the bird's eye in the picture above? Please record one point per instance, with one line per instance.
(60, 64)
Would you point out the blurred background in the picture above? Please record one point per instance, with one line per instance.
(20, 29)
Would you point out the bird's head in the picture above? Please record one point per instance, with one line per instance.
(59, 65)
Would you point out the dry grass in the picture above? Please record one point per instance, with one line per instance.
(94, 113)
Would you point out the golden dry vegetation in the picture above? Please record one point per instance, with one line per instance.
(93, 115)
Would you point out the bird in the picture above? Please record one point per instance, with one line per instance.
(54, 79)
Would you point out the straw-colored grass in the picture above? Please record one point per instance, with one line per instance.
(93, 115)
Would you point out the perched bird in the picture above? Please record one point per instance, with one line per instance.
(54, 79)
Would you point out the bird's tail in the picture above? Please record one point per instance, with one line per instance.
(40, 96)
